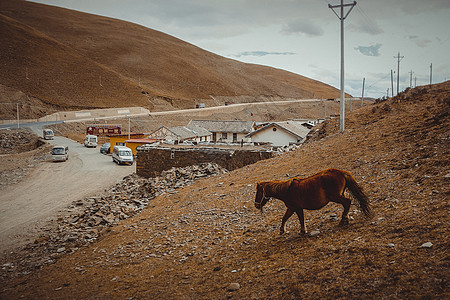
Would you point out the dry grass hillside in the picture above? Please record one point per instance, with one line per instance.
(63, 59)
(195, 243)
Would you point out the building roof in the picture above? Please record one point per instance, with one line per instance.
(190, 131)
(224, 126)
(126, 135)
(292, 127)
(180, 132)
(148, 141)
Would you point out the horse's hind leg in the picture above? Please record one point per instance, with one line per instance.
(346, 202)
(286, 216)
(301, 218)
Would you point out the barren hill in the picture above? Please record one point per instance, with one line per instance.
(194, 243)
(56, 59)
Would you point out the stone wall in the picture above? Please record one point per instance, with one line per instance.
(150, 162)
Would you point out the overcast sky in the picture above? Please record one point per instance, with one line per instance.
(303, 36)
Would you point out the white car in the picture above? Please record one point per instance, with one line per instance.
(48, 134)
(90, 141)
(122, 155)
(60, 153)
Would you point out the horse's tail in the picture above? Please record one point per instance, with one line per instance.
(358, 194)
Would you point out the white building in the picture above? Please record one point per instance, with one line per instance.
(226, 131)
(280, 133)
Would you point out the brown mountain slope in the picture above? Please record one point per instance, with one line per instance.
(194, 243)
(55, 73)
(74, 59)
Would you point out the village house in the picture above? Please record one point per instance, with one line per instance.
(180, 134)
(134, 143)
(120, 139)
(226, 131)
(280, 133)
(309, 123)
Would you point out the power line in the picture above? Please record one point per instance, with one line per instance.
(368, 20)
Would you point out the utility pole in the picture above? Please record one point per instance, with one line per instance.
(399, 58)
(392, 84)
(129, 127)
(18, 126)
(410, 79)
(342, 17)
(431, 73)
(362, 94)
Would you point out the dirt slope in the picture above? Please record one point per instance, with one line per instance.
(72, 60)
(195, 243)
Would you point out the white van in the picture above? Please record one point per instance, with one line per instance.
(122, 155)
(90, 141)
(60, 153)
(48, 134)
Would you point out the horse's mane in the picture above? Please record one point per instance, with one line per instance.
(278, 186)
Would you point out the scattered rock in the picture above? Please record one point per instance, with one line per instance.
(314, 233)
(234, 287)
(390, 245)
(87, 218)
(426, 245)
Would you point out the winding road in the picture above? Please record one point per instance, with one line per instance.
(51, 187)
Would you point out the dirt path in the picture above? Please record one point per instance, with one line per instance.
(51, 187)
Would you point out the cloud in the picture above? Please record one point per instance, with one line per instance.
(422, 43)
(367, 26)
(373, 50)
(301, 26)
(261, 53)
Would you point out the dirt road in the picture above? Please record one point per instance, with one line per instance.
(51, 187)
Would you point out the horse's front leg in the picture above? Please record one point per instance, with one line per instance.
(286, 216)
(301, 218)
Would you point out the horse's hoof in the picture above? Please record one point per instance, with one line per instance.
(344, 223)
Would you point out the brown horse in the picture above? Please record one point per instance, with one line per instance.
(312, 193)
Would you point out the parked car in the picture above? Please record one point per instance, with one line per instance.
(90, 141)
(105, 148)
(48, 134)
(60, 153)
(122, 155)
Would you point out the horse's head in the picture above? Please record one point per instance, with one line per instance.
(261, 198)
